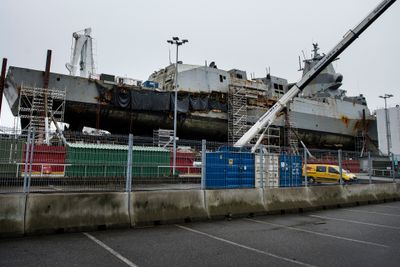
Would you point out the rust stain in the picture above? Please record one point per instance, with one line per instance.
(358, 125)
(345, 120)
(362, 125)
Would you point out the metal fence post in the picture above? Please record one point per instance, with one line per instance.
(305, 168)
(340, 165)
(262, 166)
(393, 172)
(128, 187)
(369, 167)
(203, 163)
(31, 160)
(28, 145)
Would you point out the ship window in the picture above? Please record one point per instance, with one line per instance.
(281, 87)
(278, 92)
(276, 86)
(239, 76)
(221, 79)
(321, 168)
(224, 77)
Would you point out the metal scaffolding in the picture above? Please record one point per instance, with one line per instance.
(272, 140)
(163, 138)
(237, 113)
(292, 142)
(32, 107)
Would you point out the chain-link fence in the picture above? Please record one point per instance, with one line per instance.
(81, 162)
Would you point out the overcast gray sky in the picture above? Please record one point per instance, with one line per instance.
(249, 35)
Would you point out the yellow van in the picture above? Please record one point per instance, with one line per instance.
(325, 173)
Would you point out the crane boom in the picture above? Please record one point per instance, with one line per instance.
(268, 118)
(82, 51)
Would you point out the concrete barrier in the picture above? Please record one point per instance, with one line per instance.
(372, 192)
(234, 202)
(61, 212)
(12, 209)
(279, 199)
(167, 206)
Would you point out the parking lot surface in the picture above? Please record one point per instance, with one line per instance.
(357, 236)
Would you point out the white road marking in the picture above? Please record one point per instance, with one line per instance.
(243, 246)
(372, 212)
(320, 234)
(390, 206)
(113, 252)
(357, 222)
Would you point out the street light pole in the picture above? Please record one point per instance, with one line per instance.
(385, 97)
(177, 42)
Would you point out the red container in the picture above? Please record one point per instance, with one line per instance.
(352, 165)
(184, 162)
(47, 160)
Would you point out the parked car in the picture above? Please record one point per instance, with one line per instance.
(325, 173)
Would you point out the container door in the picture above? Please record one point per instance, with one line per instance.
(247, 170)
(216, 165)
(233, 169)
(296, 171)
(284, 170)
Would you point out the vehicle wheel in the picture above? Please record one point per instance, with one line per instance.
(311, 180)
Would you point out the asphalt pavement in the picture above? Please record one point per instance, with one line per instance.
(357, 236)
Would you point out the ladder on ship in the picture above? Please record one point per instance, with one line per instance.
(292, 142)
(360, 143)
(32, 107)
(237, 113)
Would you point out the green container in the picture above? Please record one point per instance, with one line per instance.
(11, 153)
(150, 162)
(99, 160)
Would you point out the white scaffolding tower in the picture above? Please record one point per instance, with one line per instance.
(237, 113)
(32, 107)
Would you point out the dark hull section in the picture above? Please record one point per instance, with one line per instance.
(119, 121)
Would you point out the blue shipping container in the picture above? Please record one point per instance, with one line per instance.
(227, 169)
(290, 171)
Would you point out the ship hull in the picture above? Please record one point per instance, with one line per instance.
(319, 124)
